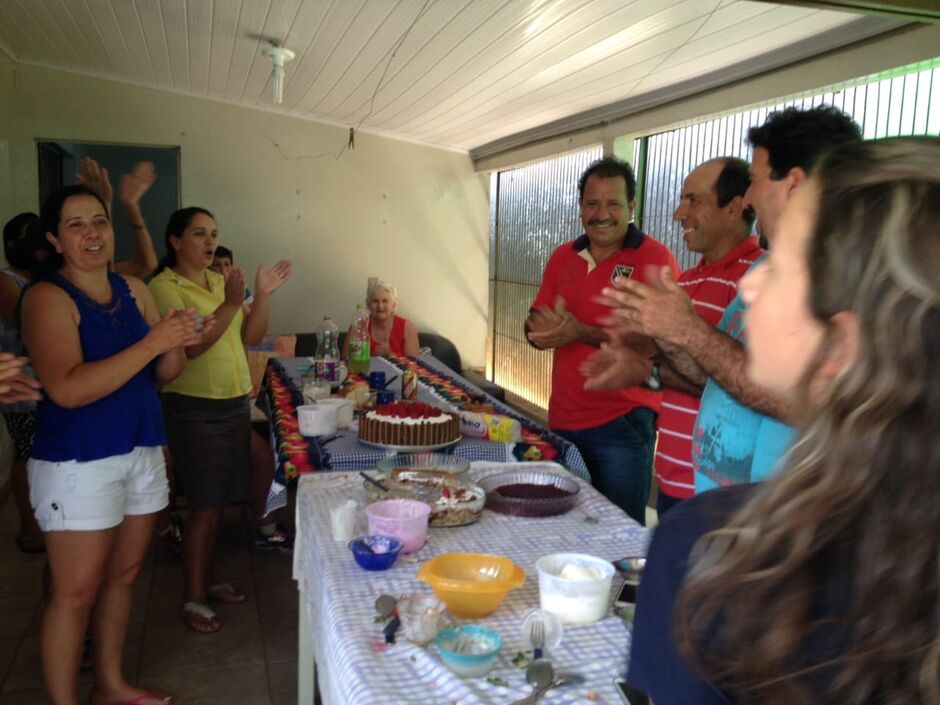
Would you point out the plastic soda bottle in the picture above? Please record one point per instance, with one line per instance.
(359, 342)
(327, 335)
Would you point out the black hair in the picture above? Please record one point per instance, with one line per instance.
(610, 168)
(223, 251)
(733, 181)
(175, 227)
(798, 138)
(14, 236)
(49, 217)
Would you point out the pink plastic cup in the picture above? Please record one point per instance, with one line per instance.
(405, 519)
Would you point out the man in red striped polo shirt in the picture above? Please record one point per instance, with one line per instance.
(717, 224)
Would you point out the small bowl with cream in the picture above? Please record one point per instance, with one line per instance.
(575, 587)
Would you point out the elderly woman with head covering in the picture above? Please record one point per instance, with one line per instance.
(389, 334)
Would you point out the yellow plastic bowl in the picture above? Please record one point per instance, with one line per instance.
(472, 585)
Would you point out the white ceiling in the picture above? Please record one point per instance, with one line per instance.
(460, 74)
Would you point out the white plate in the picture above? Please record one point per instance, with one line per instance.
(410, 449)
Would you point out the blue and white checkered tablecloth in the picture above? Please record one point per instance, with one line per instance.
(353, 665)
(343, 451)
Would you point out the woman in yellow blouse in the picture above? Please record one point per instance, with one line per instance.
(206, 408)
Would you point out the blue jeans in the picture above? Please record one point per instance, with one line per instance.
(619, 456)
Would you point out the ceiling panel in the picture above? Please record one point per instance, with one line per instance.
(221, 43)
(452, 73)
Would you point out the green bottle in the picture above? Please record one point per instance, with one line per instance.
(359, 342)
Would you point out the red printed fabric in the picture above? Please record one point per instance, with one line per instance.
(711, 287)
(571, 276)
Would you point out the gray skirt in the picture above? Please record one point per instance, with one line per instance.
(210, 442)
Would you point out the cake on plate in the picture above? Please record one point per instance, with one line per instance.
(453, 501)
(409, 423)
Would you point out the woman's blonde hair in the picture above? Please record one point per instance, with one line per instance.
(385, 286)
(852, 523)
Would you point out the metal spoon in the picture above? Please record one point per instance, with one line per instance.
(542, 677)
(539, 673)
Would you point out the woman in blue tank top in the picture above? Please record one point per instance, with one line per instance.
(96, 473)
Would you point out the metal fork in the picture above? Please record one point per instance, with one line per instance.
(537, 635)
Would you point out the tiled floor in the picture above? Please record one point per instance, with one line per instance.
(252, 660)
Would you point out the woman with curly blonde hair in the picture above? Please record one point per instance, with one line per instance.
(823, 585)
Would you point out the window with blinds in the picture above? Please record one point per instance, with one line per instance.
(534, 208)
(903, 103)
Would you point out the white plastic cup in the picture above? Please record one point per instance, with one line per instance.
(344, 520)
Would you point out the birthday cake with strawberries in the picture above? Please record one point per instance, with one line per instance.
(409, 423)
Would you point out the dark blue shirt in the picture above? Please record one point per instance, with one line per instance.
(655, 664)
(129, 417)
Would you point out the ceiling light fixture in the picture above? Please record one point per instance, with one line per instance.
(278, 55)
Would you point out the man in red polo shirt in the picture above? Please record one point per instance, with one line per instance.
(717, 224)
(614, 430)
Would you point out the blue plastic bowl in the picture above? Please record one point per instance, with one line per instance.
(469, 650)
(375, 552)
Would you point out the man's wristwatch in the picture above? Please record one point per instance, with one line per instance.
(654, 381)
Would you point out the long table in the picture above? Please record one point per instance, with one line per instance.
(343, 451)
(341, 644)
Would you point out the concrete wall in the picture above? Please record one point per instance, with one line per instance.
(414, 215)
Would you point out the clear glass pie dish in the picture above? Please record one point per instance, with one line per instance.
(530, 493)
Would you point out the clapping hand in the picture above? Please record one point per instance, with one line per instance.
(235, 287)
(615, 367)
(660, 310)
(553, 328)
(15, 385)
(179, 329)
(95, 177)
(267, 281)
(134, 185)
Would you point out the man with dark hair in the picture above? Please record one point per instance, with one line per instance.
(717, 224)
(740, 432)
(613, 429)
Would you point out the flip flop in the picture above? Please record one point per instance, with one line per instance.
(225, 592)
(146, 695)
(31, 544)
(200, 617)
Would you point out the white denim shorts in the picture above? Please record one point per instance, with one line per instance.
(74, 496)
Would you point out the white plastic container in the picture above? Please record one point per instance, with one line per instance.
(317, 419)
(344, 410)
(580, 599)
(405, 519)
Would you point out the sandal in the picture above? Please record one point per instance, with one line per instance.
(226, 593)
(31, 544)
(200, 617)
(147, 695)
(140, 699)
